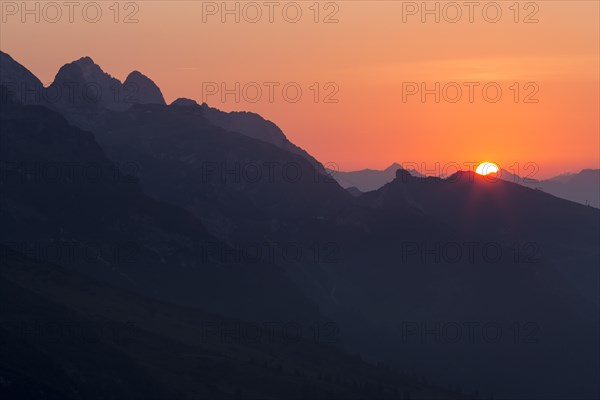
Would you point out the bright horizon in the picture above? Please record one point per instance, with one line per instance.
(372, 57)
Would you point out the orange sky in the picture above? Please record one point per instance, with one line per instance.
(370, 54)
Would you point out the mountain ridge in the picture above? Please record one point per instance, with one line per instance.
(382, 269)
(95, 89)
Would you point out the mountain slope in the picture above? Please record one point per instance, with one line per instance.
(492, 209)
(64, 200)
(441, 256)
(385, 269)
(18, 81)
(68, 337)
(82, 89)
(228, 180)
(256, 127)
(582, 187)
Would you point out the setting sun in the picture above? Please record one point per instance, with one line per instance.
(384, 199)
(486, 168)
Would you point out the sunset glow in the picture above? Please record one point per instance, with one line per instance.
(299, 199)
(486, 168)
(376, 58)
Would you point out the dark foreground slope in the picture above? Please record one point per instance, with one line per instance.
(65, 336)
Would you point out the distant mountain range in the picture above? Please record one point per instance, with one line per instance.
(366, 180)
(186, 189)
(582, 187)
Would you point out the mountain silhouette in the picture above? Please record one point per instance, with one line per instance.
(18, 82)
(145, 91)
(382, 266)
(61, 191)
(256, 127)
(91, 85)
(491, 208)
(79, 88)
(73, 211)
(228, 180)
(582, 187)
(367, 180)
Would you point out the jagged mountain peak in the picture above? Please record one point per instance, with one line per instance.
(86, 61)
(106, 90)
(144, 89)
(92, 71)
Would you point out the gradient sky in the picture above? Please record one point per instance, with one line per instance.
(369, 54)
